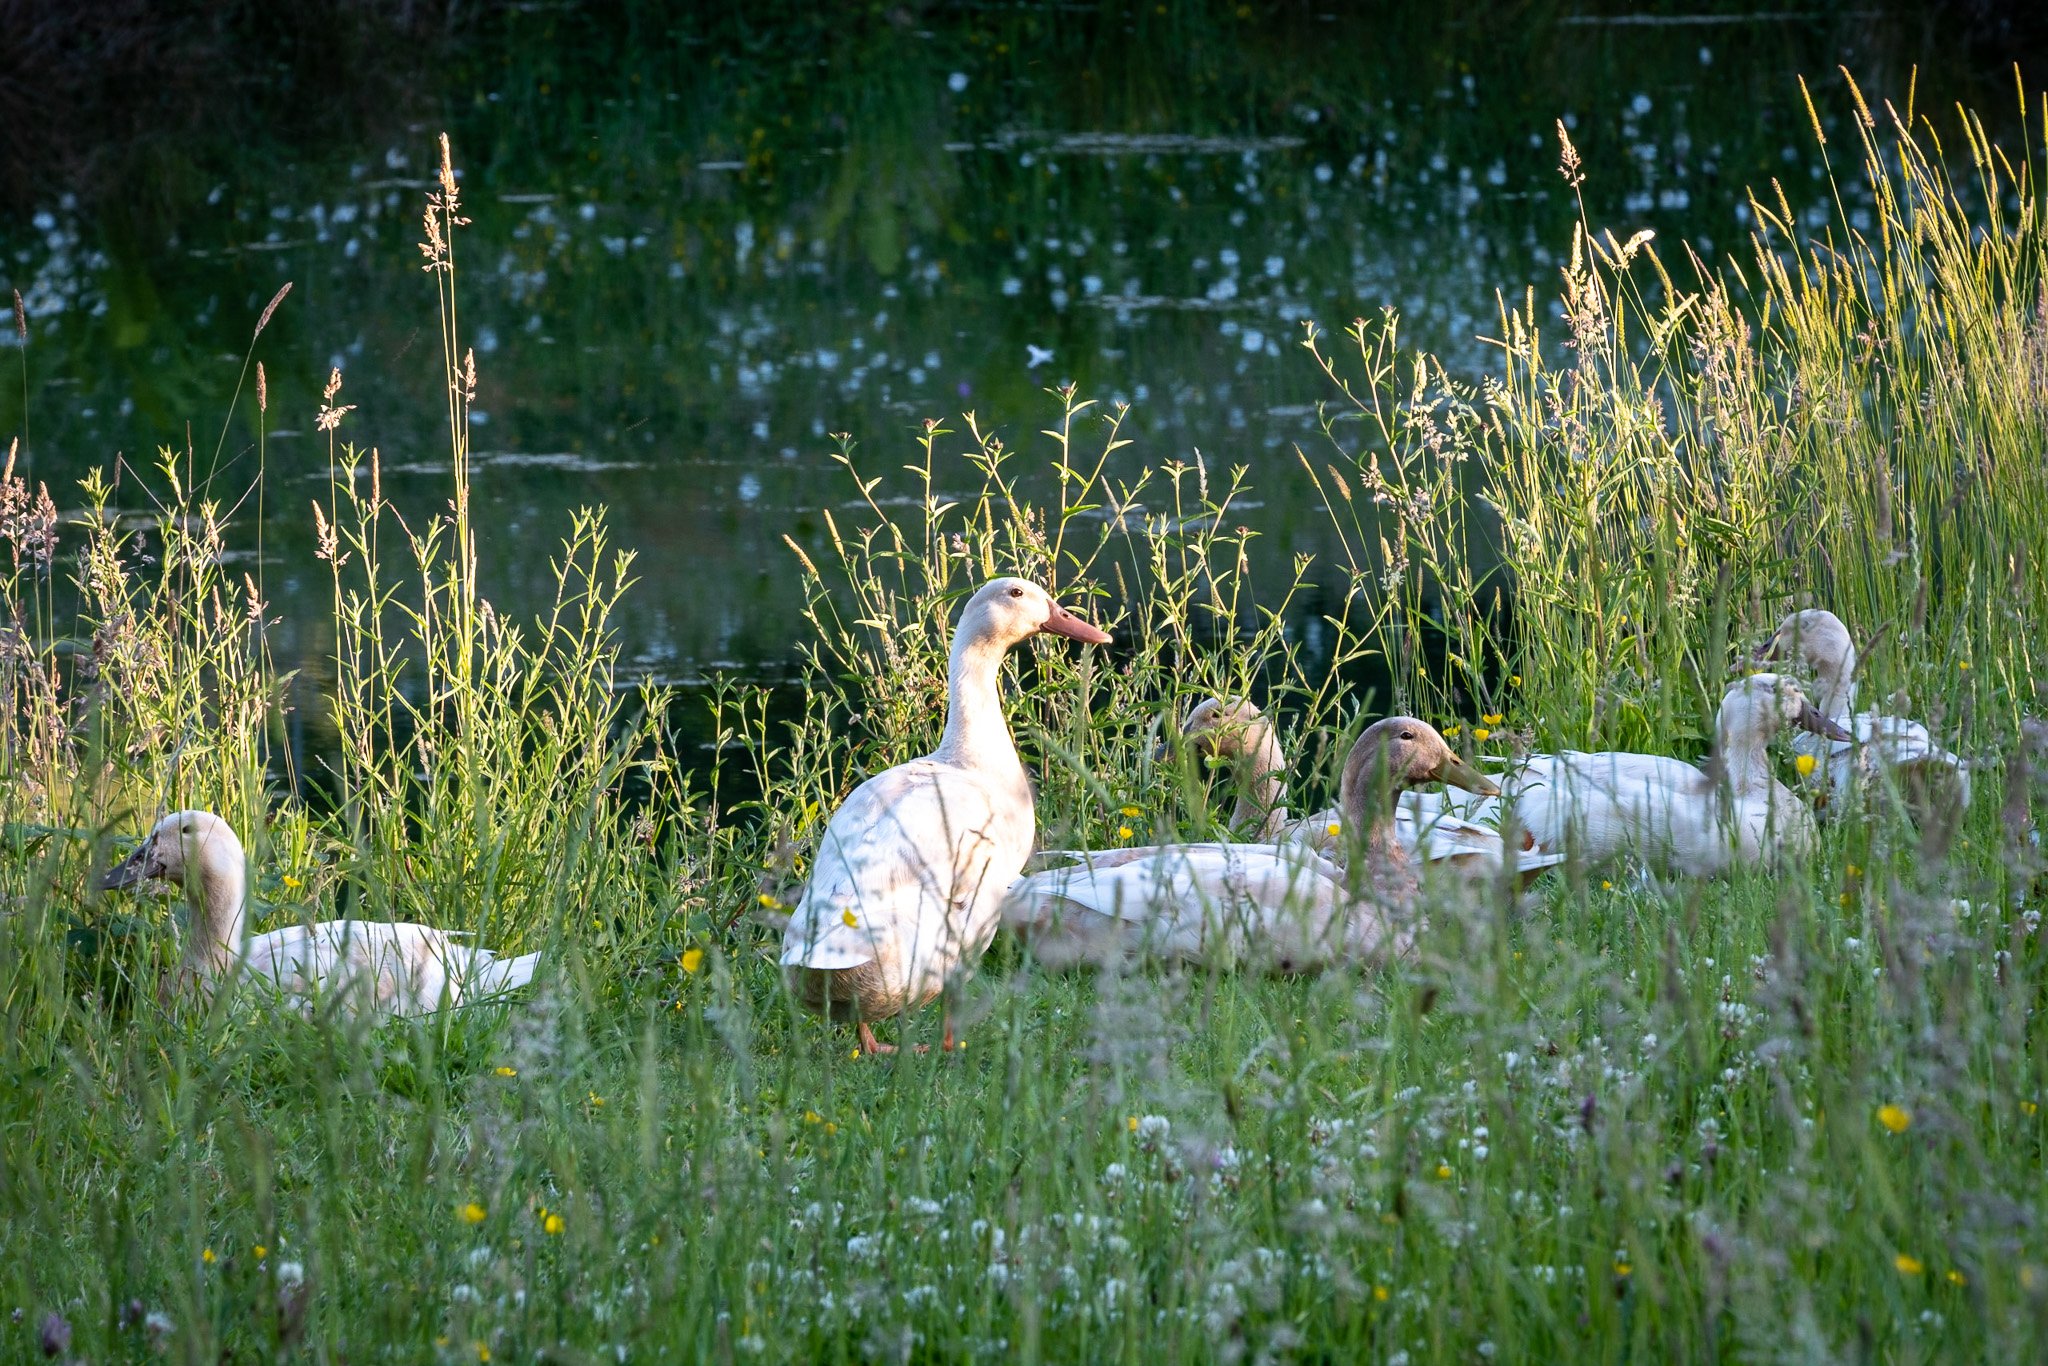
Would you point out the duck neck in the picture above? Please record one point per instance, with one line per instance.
(1739, 764)
(1834, 687)
(1260, 786)
(1389, 873)
(977, 736)
(217, 896)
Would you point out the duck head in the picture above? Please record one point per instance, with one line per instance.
(1009, 610)
(196, 842)
(1226, 727)
(1815, 639)
(1758, 707)
(1402, 752)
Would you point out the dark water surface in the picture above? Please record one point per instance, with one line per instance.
(698, 251)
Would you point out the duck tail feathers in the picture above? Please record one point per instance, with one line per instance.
(493, 974)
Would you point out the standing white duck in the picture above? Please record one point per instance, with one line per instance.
(1697, 820)
(1279, 907)
(372, 968)
(1877, 744)
(906, 890)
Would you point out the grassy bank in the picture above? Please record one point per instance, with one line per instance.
(1793, 1115)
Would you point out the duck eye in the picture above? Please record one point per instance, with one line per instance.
(1407, 735)
(1016, 592)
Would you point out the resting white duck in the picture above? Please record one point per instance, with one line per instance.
(1696, 820)
(1877, 744)
(1427, 824)
(906, 890)
(371, 968)
(1279, 907)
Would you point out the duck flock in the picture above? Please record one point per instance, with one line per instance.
(924, 862)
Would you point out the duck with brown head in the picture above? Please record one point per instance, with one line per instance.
(1280, 908)
(906, 889)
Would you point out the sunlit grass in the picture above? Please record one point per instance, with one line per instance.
(1791, 1115)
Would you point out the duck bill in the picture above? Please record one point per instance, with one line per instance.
(1064, 623)
(129, 872)
(1811, 719)
(1767, 652)
(1458, 773)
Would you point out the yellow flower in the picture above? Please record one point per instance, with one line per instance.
(1443, 1171)
(508, 1071)
(1964, 666)
(207, 1256)
(2028, 1108)
(1379, 1292)
(1493, 718)
(1806, 764)
(1956, 1277)
(692, 960)
(550, 1223)
(1606, 886)
(813, 1117)
(770, 902)
(1908, 1266)
(1333, 829)
(471, 1213)
(1131, 811)
(1894, 1117)
(1123, 832)
(293, 883)
(1514, 680)
(483, 1353)
(1452, 730)
(830, 1127)
(1131, 1123)
(1624, 1269)
(596, 1101)
(1481, 733)
(846, 918)
(1854, 871)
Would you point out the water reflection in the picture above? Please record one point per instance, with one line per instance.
(699, 252)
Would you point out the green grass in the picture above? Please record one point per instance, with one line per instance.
(1792, 1115)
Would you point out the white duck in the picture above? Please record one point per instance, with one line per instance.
(1877, 744)
(1277, 907)
(372, 968)
(907, 886)
(1697, 820)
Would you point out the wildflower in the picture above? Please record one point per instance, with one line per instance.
(1131, 811)
(692, 960)
(846, 918)
(1123, 832)
(1443, 1171)
(1956, 1277)
(1493, 718)
(261, 1252)
(2028, 1108)
(1452, 730)
(1624, 1269)
(291, 1275)
(1131, 1123)
(208, 1257)
(1908, 1265)
(471, 1213)
(508, 1071)
(550, 1222)
(483, 1353)
(1895, 1118)
(56, 1334)
(596, 1101)
(1964, 665)
(813, 1117)
(1379, 1293)
(770, 902)
(1606, 886)
(1481, 733)
(830, 1128)
(1333, 829)
(291, 883)
(1806, 764)
(1514, 680)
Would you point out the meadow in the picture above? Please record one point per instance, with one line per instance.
(1793, 1115)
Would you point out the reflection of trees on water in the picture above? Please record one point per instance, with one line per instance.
(701, 244)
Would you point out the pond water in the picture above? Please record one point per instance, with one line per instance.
(695, 254)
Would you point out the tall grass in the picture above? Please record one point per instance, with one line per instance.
(1790, 1116)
